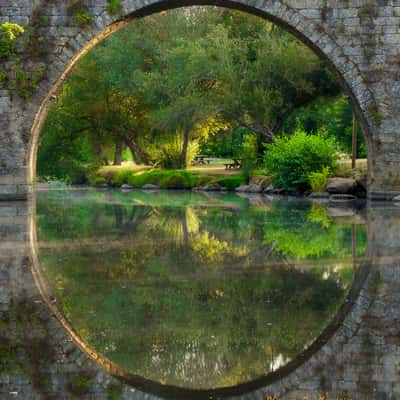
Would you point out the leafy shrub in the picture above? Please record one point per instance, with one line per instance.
(231, 182)
(292, 159)
(319, 180)
(175, 182)
(121, 177)
(169, 154)
(84, 18)
(8, 34)
(176, 179)
(97, 180)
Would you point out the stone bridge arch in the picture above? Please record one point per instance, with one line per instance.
(358, 39)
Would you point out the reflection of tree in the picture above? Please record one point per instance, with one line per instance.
(155, 307)
(307, 233)
(180, 330)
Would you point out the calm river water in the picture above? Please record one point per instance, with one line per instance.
(191, 290)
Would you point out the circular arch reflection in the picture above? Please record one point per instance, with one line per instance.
(175, 392)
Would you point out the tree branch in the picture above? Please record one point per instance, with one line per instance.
(266, 133)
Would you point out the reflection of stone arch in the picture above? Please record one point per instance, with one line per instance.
(349, 38)
(281, 382)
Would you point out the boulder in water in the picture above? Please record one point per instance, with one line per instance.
(341, 185)
(242, 188)
(125, 186)
(150, 186)
(214, 187)
(319, 195)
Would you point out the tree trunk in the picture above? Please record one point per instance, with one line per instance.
(185, 146)
(119, 215)
(118, 154)
(137, 154)
(135, 157)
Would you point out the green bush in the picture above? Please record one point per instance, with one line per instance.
(176, 182)
(8, 34)
(231, 182)
(121, 177)
(319, 180)
(168, 179)
(291, 159)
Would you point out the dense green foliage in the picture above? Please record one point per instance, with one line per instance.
(166, 179)
(168, 86)
(291, 159)
(334, 116)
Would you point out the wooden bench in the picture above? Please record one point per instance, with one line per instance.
(232, 165)
(201, 160)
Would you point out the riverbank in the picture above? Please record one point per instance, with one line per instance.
(347, 183)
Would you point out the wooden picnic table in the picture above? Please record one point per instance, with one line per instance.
(236, 164)
(201, 160)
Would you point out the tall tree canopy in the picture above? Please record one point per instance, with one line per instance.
(166, 81)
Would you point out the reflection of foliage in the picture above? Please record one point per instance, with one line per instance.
(301, 235)
(319, 214)
(208, 249)
(175, 329)
(151, 302)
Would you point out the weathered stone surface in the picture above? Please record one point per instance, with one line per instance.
(341, 185)
(361, 180)
(260, 181)
(102, 186)
(319, 195)
(243, 188)
(252, 188)
(126, 187)
(342, 198)
(150, 186)
(269, 189)
(214, 187)
(256, 188)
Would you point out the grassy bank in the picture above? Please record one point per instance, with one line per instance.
(166, 179)
(140, 175)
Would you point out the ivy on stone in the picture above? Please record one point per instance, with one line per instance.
(8, 34)
(114, 7)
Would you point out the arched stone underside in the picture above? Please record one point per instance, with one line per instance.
(358, 38)
(359, 360)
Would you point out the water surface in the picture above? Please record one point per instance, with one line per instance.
(196, 290)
